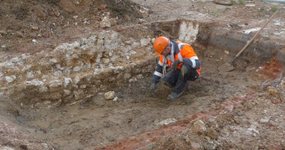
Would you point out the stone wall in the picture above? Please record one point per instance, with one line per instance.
(73, 71)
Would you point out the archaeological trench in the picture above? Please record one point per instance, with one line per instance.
(56, 99)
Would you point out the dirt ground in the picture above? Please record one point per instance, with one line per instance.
(221, 110)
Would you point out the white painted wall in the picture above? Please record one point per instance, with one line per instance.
(188, 31)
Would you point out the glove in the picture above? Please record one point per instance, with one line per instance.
(175, 64)
(152, 87)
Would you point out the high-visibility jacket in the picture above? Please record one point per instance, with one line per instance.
(179, 50)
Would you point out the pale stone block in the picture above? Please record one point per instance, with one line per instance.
(110, 95)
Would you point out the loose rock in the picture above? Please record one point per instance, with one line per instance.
(109, 95)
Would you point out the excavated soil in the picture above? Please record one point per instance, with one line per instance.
(96, 122)
(234, 109)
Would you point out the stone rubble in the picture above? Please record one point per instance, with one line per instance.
(72, 71)
(110, 95)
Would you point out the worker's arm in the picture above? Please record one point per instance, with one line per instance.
(157, 73)
(192, 62)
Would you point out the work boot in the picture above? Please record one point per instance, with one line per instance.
(174, 95)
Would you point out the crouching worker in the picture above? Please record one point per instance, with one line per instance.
(183, 61)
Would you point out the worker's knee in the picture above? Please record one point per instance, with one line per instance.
(193, 78)
(191, 74)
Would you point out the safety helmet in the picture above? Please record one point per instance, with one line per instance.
(160, 43)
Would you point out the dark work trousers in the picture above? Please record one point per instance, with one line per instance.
(175, 79)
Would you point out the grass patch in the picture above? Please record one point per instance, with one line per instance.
(216, 14)
(205, 10)
(240, 2)
(227, 8)
(201, 3)
(274, 9)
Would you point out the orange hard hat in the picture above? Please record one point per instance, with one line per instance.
(160, 43)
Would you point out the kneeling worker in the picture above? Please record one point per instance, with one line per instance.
(183, 61)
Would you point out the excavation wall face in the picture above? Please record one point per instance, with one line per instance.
(78, 70)
(231, 43)
(107, 59)
(73, 71)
